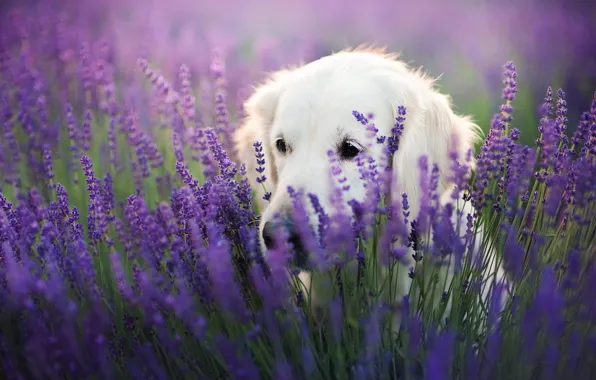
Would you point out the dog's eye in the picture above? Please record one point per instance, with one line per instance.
(348, 150)
(281, 146)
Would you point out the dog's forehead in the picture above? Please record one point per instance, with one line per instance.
(324, 106)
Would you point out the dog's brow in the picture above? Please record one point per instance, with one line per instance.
(343, 137)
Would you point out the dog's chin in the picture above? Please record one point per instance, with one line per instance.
(300, 260)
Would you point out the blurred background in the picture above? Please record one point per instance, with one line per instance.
(466, 41)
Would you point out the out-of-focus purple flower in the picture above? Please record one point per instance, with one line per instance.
(545, 313)
(322, 217)
(188, 100)
(372, 341)
(413, 325)
(459, 170)
(196, 142)
(113, 143)
(585, 184)
(238, 366)
(426, 194)
(18, 278)
(517, 177)
(222, 118)
(219, 263)
(73, 136)
(107, 193)
(86, 133)
(513, 255)
(274, 289)
(162, 86)
(47, 160)
(395, 231)
(120, 276)
(440, 356)
(338, 239)
(146, 360)
(141, 165)
(86, 70)
(178, 148)
(13, 156)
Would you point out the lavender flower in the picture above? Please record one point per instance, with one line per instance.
(397, 130)
(509, 92)
(188, 100)
(438, 361)
(86, 135)
(48, 162)
(94, 209)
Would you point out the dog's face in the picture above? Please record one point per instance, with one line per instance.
(300, 115)
(314, 119)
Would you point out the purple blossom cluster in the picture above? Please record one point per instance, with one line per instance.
(129, 239)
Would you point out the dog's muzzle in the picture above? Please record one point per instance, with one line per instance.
(300, 257)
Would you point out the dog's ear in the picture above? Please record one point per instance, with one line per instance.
(433, 129)
(454, 132)
(260, 110)
(262, 104)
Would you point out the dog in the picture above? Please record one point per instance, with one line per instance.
(300, 113)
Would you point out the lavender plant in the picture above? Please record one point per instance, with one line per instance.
(129, 245)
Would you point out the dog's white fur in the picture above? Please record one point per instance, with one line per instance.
(311, 107)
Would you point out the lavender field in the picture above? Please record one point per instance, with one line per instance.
(128, 232)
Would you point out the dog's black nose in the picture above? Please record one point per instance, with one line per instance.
(269, 238)
(269, 230)
(268, 235)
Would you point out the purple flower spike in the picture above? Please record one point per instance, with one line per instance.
(260, 161)
(188, 99)
(47, 160)
(440, 356)
(86, 135)
(397, 130)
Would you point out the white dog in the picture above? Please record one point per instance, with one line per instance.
(299, 114)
